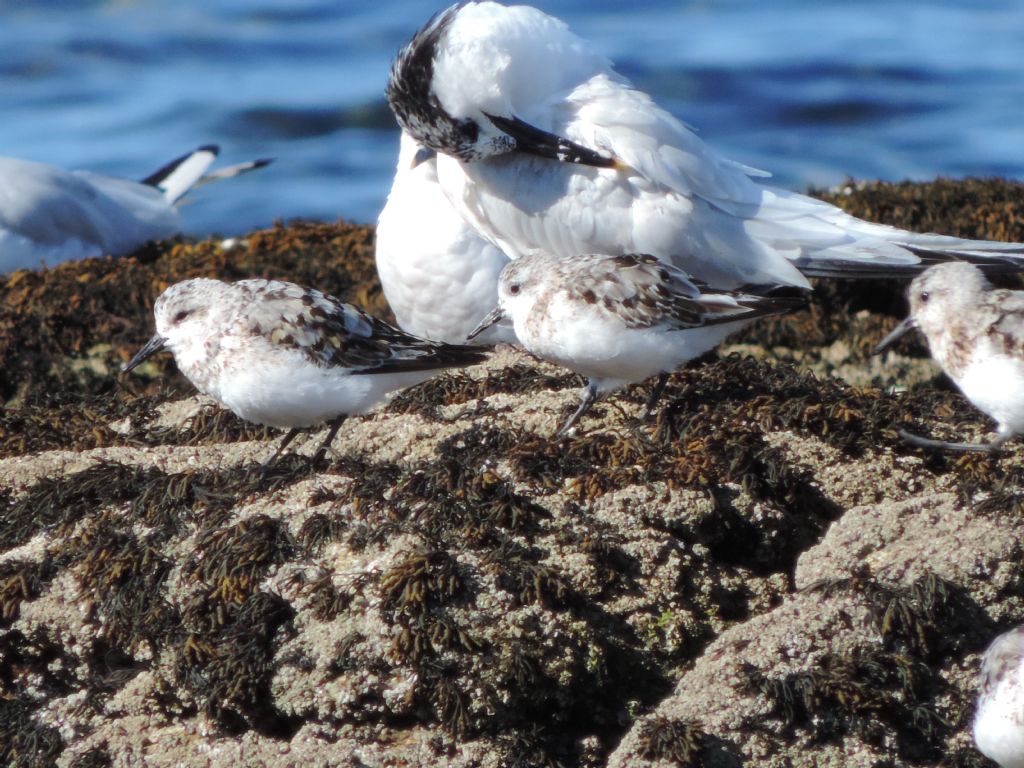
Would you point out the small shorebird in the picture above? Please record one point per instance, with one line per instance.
(999, 720)
(976, 334)
(620, 319)
(278, 354)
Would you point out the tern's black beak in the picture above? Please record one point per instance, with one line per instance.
(496, 315)
(422, 155)
(905, 327)
(543, 144)
(153, 346)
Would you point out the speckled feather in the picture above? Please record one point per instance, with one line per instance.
(999, 719)
(279, 354)
(409, 89)
(957, 308)
(333, 334)
(640, 291)
(620, 319)
(1002, 659)
(998, 318)
(976, 334)
(1007, 330)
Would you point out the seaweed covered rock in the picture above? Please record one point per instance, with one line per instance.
(760, 574)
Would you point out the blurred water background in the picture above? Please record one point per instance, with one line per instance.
(813, 91)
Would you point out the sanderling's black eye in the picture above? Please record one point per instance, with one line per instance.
(513, 289)
(923, 297)
(180, 316)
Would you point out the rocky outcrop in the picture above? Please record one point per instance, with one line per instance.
(760, 575)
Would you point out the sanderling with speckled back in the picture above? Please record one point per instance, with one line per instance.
(976, 334)
(620, 319)
(278, 354)
(999, 719)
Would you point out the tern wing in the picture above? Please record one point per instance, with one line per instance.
(626, 123)
(51, 206)
(727, 205)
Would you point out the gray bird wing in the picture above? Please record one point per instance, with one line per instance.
(333, 334)
(643, 292)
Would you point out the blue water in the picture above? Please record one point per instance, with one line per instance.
(812, 91)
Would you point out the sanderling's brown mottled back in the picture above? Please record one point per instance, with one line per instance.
(278, 354)
(976, 333)
(620, 319)
(999, 719)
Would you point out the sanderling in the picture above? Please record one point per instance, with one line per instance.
(976, 334)
(543, 147)
(999, 720)
(49, 215)
(278, 354)
(439, 276)
(620, 319)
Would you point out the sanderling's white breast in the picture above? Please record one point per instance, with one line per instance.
(278, 354)
(976, 334)
(620, 319)
(49, 215)
(999, 719)
(439, 276)
(545, 148)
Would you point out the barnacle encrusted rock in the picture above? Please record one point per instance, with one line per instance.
(760, 575)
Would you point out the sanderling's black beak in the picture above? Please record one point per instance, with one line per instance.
(905, 327)
(153, 346)
(534, 141)
(422, 155)
(496, 315)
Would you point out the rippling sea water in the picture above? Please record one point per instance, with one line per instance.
(812, 91)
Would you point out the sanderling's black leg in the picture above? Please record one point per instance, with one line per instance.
(589, 397)
(941, 445)
(321, 452)
(280, 448)
(656, 393)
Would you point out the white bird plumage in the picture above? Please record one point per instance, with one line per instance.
(999, 718)
(620, 319)
(49, 215)
(439, 276)
(976, 334)
(543, 147)
(278, 354)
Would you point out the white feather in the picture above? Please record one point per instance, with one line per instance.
(49, 215)
(439, 276)
(670, 195)
(999, 719)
